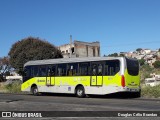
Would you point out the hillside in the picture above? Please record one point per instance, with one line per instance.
(146, 71)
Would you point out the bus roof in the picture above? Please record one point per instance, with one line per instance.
(69, 60)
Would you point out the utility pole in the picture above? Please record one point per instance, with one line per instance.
(70, 46)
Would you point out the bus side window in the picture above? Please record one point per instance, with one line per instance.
(72, 69)
(27, 71)
(112, 67)
(94, 71)
(106, 69)
(42, 71)
(84, 69)
(100, 69)
(61, 70)
(49, 72)
(35, 71)
(53, 70)
(97, 68)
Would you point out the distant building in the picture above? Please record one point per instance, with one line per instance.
(80, 49)
(123, 54)
(14, 76)
(153, 81)
(145, 51)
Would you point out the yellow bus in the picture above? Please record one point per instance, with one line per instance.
(82, 76)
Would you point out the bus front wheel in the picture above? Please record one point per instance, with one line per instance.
(34, 90)
(80, 92)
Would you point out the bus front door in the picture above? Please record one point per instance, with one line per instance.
(97, 78)
(50, 79)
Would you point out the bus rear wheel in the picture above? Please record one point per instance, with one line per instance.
(34, 90)
(137, 95)
(80, 92)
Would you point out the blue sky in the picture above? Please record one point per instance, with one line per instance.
(119, 25)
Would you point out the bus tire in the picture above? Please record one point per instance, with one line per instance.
(34, 91)
(80, 92)
(137, 95)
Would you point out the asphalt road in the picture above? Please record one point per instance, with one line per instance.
(54, 102)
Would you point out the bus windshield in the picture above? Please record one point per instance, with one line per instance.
(132, 66)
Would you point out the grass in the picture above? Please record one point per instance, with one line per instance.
(15, 87)
(151, 92)
(2, 87)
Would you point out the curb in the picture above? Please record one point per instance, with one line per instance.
(15, 93)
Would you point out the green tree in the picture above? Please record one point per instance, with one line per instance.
(138, 49)
(141, 62)
(113, 55)
(122, 55)
(145, 71)
(31, 49)
(5, 68)
(156, 64)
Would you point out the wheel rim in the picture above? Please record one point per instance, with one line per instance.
(35, 91)
(79, 92)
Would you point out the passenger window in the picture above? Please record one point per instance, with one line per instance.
(35, 71)
(53, 70)
(61, 70)
(100, 68)
(84, 69)
(49, 72)
(72, 69)
(97, 68)
(112, 67)
(42, 71)
(27, 71)
(94, 69)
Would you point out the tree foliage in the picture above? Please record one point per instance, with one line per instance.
(145, 71)
(141, 62)
(138, 49)
(5, 67)
(31, 49)
(156, 64)
(122, 55)
(113, 55)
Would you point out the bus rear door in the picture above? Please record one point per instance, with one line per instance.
(96, 74)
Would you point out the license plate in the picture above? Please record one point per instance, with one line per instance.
(133, 90)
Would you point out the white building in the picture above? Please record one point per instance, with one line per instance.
(145, 51)
(155, 80)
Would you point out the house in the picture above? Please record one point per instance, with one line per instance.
(140, 56)
(123, 53)
(80, 49)
(153, 81)
(150, 61)
(145, 51)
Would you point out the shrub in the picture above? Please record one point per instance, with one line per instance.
(156, 64)
(151, 92)
(14, 87)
